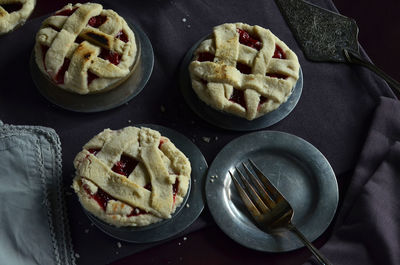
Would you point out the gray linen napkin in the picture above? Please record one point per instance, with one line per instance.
(367, 230)
(33, 223)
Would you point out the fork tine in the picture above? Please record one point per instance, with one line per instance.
(264, 194)
(277, 196)
(256, 199)
(245, 198)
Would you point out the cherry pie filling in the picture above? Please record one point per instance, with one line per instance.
(91, 77)
(122, 36)
(162, 141)
(124, 167)
(97, 21)
(94, 151)
(243, 68)
(205, 57)
(280, 76)
(105, 54)
(238, 97)
(246, 39)
(262, 101)
(278, 54)
(59, 77)
(102, 198)
(175, 189)
(111, 56)
(12, 7)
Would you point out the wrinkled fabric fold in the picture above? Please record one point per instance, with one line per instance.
(367, 230)
(33, 223)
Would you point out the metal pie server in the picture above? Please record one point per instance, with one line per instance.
(327, 36)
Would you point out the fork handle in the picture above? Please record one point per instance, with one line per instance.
(356, 59)
(318, 255)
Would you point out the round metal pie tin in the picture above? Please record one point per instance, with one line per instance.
(229, 121)
(184, 215)
(115, 97)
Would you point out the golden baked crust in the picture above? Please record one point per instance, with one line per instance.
(244, 70)
(84, 48)
(9, 20)
(131, 177)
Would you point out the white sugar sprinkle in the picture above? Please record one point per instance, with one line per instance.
(206, 139)
(129, 121)
(187, 205)
(184, 238)
(211, 180)
(77, 255)
(183, 20)
(119, 245)
(137, 211)
(179, 243)
(188, 26)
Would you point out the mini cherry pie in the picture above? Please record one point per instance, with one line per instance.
(14, 13)
(243, 70)
(131, 177)
(84, 48)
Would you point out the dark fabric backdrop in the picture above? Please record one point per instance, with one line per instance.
(333, 113)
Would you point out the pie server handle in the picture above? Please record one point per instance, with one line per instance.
(356, 59)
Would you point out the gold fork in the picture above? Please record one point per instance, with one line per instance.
(269, 208)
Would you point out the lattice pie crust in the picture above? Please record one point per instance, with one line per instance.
(243, 70)
(131, 177)
(13, 13)
(84, 48)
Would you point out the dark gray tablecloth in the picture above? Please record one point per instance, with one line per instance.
(367, 230)
(333, 112)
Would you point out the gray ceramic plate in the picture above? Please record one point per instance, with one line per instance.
(225, 120)
(296, 168)
(184, 216)
(128, 89)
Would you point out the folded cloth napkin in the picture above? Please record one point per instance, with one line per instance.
(33, 223)
(367, 230)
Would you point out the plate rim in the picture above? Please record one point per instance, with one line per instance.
(195, 198)
(235, 235)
